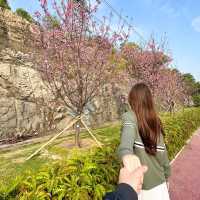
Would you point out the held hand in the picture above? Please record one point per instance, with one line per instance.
(131, 162)
(134, 178)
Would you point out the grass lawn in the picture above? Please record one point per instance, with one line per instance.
(12, 160)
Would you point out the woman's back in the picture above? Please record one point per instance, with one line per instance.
(142, 136)
(131, 143)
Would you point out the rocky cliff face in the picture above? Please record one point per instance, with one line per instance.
(13, 30)
(22, 91)
(23, 110)
(19, 113)
(25, 102)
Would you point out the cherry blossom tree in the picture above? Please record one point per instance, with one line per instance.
(144, 64)
(74, 56)
(170, 91)
(151, 66)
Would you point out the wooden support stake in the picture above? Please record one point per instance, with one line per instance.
(73, 121)
(84, 124)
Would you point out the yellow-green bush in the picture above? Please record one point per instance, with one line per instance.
(81, 177)
(87, 176)
(179, 127)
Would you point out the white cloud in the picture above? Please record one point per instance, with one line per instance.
(167, 7)
(169, 10)
(196, 24)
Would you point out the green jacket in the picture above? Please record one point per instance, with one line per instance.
(131, 143)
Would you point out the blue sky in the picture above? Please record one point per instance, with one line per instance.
(179, 20)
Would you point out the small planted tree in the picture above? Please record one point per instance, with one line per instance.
(74, 56)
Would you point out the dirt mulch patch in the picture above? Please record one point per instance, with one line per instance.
(86, 143)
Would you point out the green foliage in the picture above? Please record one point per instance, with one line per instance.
(24, 14)
(197, 87)
(82, 177)
(88, 175)
(132, 45)
(192, 87)
(51, 22)
(9, 191)
(179, 128)
(4, 4)
(190, 82)
(189, 77)
(196, 99)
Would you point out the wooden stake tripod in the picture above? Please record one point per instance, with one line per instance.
(72, 122)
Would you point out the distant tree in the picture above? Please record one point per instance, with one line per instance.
(197, 88)
(144, 64)
(4, 4)
(189, 77)
(196, 99)
(190, 83)
(51, 22)
(170, 91)
(192, 88)
(24, 14)
(150, 65)
(196, 94)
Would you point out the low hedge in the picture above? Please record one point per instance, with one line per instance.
(179, 127)
(87, 176)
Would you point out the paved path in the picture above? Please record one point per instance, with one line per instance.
(185, 179)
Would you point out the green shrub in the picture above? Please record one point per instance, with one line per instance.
(24, 14)
(196, 100)
(82, 177)
(179, 128)
(4, 4)
(87, 176)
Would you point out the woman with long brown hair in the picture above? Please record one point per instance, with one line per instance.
(142, 136)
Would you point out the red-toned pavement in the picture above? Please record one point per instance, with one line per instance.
(185, 179)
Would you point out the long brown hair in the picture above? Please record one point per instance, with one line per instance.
(149, 124)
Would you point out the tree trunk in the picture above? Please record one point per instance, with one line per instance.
(77, 134)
